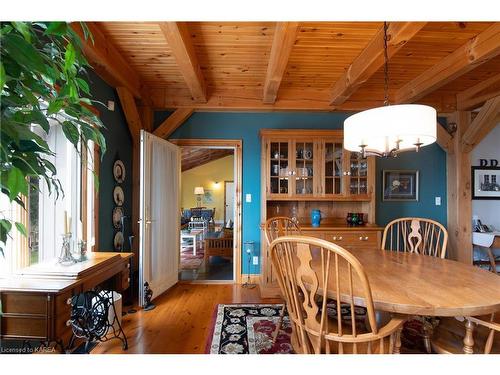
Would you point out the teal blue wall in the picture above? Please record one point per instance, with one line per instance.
(119, 146)
(430, 161)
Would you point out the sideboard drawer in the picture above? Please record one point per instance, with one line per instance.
(354, 239)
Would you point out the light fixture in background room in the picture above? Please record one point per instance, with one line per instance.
(199, 191)
(216, 184)
(391, 129)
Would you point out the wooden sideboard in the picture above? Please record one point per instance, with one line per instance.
(302, 170)
(356, 237)
(35, 303)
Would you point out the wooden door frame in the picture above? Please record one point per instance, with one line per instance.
(225, 183)
(237, 145)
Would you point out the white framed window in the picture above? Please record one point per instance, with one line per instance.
(45, 215)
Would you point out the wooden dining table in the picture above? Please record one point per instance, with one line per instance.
(414, 284)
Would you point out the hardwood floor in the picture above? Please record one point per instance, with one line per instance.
(181, 321)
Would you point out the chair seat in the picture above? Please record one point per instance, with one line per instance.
(449, 335)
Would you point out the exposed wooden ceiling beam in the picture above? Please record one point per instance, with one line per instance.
(443, 138)
(284, 39)
(476, 95)
(179, 41)
(472, 54)
(371, 58)
(131, 112)
(172, 122)
(290, 99)
(107, 61)
(487, 118)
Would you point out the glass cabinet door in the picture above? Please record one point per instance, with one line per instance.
(304, 170)
(358, 174)
(280, 171)
(333, 160)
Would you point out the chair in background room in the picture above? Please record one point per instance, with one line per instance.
(316, 326)
(419, 236)
(277, 227)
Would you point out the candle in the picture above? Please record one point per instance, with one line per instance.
(65, 222)
(69, 224)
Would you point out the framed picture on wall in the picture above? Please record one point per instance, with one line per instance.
(400, 185)
(485, 182)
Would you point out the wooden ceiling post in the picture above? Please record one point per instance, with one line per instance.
(475, 52)
(459, 194)
(483, 123)
(478, 94)
(371, 58)
(284, 39)
(179, 41)
(172, 122)
(106, 60)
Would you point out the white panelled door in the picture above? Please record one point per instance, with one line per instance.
(159, 215)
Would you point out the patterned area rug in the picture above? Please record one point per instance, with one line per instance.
(190, 261)
(248, 329)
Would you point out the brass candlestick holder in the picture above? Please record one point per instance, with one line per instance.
(66, 258)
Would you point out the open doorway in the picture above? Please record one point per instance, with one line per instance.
(208, 236)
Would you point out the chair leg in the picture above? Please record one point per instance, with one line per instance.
(428, 326)
(278, 326)
(397, 343)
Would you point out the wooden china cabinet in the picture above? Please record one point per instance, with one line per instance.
(309, 169)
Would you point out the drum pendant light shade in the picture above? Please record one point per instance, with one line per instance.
(390, 129)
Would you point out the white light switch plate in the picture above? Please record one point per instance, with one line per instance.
(438, 201)
(248, 198)
(255, 261)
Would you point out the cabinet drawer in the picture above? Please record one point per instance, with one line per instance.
(315, 234)
(20, 303)
(220, 252)
(354, 239)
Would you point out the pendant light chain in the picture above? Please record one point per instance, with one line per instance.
(386, 67)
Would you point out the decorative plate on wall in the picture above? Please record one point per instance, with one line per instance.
(118, 196)
(119, 171)
(117, 217)
(118, 241)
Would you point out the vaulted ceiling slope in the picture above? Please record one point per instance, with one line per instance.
(322, 66)
(192, 157)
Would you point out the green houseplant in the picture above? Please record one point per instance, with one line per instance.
(42, 78)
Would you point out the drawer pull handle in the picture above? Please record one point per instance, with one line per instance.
(361, 238)
(68, 322)
(339, 238)
(68, 301)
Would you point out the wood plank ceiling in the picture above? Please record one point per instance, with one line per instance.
(230, 61)
(192, 157)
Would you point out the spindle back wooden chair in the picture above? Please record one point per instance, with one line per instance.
(280, 226)
(316, 326)
(273, 228)
(416, 235)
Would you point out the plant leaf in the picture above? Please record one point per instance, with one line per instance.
(21, 228)
(69, 57)
(16, 183)
(56, 28)
(3, 76)
(71, 132)
(23, 53)
(24, 29)
(5, 227)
